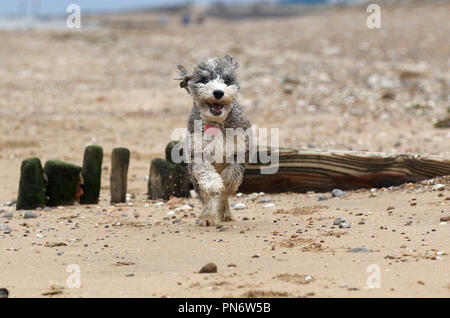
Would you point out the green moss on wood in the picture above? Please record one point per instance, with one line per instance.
(63, 179)
(445, 123)
(167, 179)
(92, 174)
(31, 185)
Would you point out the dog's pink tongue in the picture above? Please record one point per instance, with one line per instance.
(217, 107)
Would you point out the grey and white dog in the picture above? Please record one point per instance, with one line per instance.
(214, 88)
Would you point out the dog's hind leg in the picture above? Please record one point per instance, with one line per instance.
(224, 208)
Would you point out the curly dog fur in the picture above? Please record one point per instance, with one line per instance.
(214, 88)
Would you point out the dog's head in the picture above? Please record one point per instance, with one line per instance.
(213, 86)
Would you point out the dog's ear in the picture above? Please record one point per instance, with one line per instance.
(232, 61)
(185, 77)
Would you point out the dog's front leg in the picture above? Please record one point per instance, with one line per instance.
(210, 186)
(232, 177)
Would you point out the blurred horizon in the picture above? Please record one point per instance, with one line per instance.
(58, 7)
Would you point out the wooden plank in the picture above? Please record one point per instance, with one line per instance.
(302, 170)
(120, 159)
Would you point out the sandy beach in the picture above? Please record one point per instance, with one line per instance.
(326, 80)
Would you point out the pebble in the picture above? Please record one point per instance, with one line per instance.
(209, 268)
(265, 200)
(29, 215)
(239, 206)
(176, 221)
(321, 197)
(358, 250)
(184, 208)
(338, 221)
(344, 225)
(438, 187)
(5, 229)
(11, 203)
(269, 205)
(193, 194)
(338, 193)
(8, 215)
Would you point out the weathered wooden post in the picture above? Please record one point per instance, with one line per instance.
(63, 182)
(92, 174)
(31, 186)
(120, 159)
(178, 172)
(157, 181)
(167, 178)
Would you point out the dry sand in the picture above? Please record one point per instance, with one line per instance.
(326, 80)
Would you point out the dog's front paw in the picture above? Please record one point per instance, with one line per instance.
(207, 221)
(226, 216)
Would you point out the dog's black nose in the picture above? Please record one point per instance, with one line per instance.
(218, 94)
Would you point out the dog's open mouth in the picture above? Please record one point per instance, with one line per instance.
(216, 109)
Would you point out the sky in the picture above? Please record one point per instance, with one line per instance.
(58, 7)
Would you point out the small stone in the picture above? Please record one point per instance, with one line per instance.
(265, 200)
(321, 197)
(358, 250)
(338, 221)
(209, 268)
(239, 206)
(193, 194)
(256, 256)
(245, 218)
(438, 187)
(269, 205)
(124, 215)
(29, 215)
(338, 193)
(184, 208)
(344, 225)
(5, 229)
(176, 221)
(7, 215)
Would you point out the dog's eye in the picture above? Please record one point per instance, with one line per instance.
(228, 81)
(203, 80)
